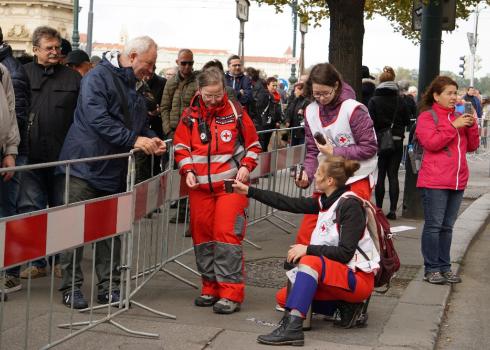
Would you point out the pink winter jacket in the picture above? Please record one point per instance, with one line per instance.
(444, 163)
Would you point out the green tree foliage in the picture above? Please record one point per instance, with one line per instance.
(398, 12)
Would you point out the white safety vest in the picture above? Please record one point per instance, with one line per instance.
(327, 233)
(340, 134)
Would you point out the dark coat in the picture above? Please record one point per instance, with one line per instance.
(54, 92)
(22, 91)
(241, 82)
(270, 111)
(157, 84)
(295, 115)
(387, 106)
(99, 127)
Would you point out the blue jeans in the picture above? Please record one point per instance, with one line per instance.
(9, 191)
(440, 212)
(40, 189)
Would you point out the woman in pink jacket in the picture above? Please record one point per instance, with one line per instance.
(443, 174)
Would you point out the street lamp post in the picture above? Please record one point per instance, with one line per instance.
(90, 26)
(242, 7)
(75, 38)
(292, 78)
(303, 28)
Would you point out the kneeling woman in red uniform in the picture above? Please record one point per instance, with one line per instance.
(331, 267)
(216, 140)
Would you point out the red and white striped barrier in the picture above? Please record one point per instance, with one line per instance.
(58, 229)
(150, 195)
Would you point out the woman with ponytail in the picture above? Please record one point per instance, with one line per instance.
(332, 273)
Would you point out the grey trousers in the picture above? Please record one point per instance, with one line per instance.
(80, 190)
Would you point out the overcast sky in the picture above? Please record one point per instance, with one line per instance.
(212, 24)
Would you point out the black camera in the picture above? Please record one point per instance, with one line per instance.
(150, 100)
(204, 132)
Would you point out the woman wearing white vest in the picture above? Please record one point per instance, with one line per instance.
(331, 267)
(348, 128)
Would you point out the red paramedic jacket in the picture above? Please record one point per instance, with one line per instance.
(232, 143)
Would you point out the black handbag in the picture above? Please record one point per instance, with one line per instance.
(386, 145)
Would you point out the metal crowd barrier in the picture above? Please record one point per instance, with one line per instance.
(139, 219)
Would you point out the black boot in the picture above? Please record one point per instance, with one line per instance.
(289, 332)
(349, 312)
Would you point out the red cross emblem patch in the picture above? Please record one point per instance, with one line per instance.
(343, 139)
(323, 227)
(226, 136)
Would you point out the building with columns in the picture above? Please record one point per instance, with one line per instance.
(18, 20)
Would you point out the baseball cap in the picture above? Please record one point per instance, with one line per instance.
(77, 57)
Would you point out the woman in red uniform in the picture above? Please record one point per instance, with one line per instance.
(338, 264)
(216, 140)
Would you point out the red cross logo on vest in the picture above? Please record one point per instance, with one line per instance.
(226, 135)
(343, 139)
(323, 227)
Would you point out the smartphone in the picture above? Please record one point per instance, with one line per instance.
(319, 138)
(468, 108)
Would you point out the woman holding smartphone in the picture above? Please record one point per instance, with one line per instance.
(443, 174)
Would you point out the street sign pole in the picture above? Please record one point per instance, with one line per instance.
(242, 7)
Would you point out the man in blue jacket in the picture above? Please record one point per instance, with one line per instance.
(110, 118)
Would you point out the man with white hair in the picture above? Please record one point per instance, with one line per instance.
(110, 118)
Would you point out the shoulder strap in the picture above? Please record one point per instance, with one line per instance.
(122, 97)
(434, 116)
(236, 107)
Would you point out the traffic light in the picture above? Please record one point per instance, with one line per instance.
(462, 66)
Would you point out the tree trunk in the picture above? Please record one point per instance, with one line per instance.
(346, 40)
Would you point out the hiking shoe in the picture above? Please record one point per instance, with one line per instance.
(349, 313)
(205, 300)
(225, 306)
(78, 301)
(12, 284)
(391, 215)
(114, 297)
(34, 272)
(57, 271)
(435, 278)
(449, 276)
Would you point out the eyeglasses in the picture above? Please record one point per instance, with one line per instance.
(186, 63)
(323, 94)
(212, 97)
(50, 48)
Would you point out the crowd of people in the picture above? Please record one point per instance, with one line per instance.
(65, 105)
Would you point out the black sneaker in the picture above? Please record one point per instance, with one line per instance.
(435, 278)
(451, 277)
(205, 300)
(78, 301)
(349, 313)
(104, 298)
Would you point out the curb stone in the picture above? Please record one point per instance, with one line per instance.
(415, 321)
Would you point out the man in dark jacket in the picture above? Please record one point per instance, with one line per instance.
(240, 83)
(54, 92)
(22, 101)
(103, 126)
